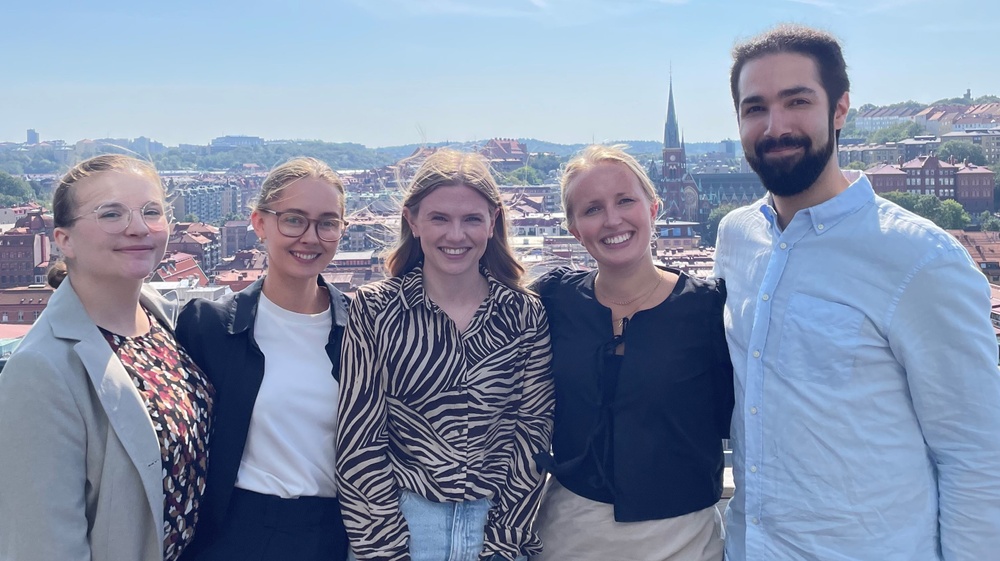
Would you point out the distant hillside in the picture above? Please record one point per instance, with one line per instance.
(636, 147)
(396, 153)
(343, 155)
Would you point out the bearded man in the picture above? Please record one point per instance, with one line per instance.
(867, 417)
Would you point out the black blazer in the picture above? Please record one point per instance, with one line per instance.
(219, 337)
(659, 424)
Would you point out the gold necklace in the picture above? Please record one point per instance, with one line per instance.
(643, 296)
(621, 320)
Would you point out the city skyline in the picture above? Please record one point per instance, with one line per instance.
(394, 72)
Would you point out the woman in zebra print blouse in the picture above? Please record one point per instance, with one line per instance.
(446, 390)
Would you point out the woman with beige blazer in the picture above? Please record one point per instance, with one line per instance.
(104, 420)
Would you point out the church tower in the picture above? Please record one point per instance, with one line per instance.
(677, 188)
(674, 160)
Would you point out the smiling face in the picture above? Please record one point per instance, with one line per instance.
(305, 256)
(610, 214)
(454, 223)
(94, 255)
(786, 126)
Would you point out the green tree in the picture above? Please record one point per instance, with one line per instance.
(523, 176)
(545, 163)
(895, 133)
(13, 167)
(41, 165)
(908, 104)
(947, 214)
(711, 228)
(996, 186)
(857, 165)
(190, 217)
(14, 190)
(965, 101)
(951, 215)
(962, 151)
(929, 207)
(988, 222)
(903, 199)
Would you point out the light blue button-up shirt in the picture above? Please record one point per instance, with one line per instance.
(867, 420)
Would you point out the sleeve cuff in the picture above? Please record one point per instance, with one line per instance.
(508, 542)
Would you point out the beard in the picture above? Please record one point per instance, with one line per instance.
(789, 177)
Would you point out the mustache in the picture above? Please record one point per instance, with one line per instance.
(786, 141)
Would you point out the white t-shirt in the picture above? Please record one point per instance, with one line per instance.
(290, 446)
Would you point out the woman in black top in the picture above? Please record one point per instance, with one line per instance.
(644, 389)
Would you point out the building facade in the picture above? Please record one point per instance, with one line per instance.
(969, 185)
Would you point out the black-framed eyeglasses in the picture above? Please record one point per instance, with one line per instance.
(114, 218)
(294, 225)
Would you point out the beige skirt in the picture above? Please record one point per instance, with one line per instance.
(573, 528)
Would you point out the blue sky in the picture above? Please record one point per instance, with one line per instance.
(388, 72)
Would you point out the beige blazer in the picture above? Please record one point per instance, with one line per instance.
(80, 473)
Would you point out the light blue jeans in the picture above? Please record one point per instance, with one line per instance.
(444, 531)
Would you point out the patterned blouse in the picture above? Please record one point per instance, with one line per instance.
(452, 416)
(179, 400)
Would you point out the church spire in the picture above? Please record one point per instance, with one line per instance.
(671, 136)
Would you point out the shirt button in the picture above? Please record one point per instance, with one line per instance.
(755, 520)
(783, 245)
(756, 354)
(753, 469)
(765, 297)
(819, 226)
(753, 410)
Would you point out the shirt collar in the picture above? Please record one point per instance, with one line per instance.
(413, 294)
(827, 214)
(242, 311)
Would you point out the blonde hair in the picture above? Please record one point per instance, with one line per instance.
(64, 203)
(448, 168)
(64, 211)
(293, 170)
(595, 154)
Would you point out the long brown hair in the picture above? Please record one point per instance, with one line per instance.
(447, 168)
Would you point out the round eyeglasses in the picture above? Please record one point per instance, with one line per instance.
(294, 225)
(114, 218)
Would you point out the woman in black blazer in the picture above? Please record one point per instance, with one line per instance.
(644, 384)
(273, 352)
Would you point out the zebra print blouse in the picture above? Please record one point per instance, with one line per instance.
(450, 416)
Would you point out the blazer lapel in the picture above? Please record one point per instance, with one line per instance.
(124, 407)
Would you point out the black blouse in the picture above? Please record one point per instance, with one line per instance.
(650, 441)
